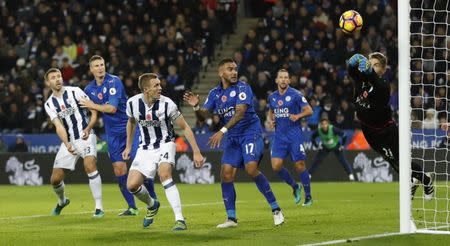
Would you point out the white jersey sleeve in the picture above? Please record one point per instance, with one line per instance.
(51, 112)
(80, 94)
(174, 113)
(128, 110)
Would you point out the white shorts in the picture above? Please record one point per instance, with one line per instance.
(64, 159)
(147, 161)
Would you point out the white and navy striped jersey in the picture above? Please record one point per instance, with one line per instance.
(68, 110)
(155, 121)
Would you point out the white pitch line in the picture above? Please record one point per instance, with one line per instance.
(348, 240)
(106, 210)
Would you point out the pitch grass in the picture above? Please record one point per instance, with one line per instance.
(340, 210)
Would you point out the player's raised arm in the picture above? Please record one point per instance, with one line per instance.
(198, 158)
(359, 67)
(194, 100)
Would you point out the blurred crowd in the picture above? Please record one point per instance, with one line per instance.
(430, 63)
(303, 37)
(173, 38)
(177, 38)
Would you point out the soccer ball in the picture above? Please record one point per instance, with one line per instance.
(350, 21)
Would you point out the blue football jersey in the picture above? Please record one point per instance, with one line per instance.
(291, 102)
(223, 102)
(110, 92)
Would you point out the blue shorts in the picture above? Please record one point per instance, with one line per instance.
(281, 149)
(117, 144)
(238, 151)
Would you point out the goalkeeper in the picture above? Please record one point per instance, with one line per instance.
(329, 136)
(371, 98)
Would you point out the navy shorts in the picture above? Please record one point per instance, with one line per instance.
(239, 151)
(117, 144)
(281, 149)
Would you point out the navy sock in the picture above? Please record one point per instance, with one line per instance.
(264, 187)
(229, 199)
(286, 177)
(150, 185)
(122, 180)
(304, 177)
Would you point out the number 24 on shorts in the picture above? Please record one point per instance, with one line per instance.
(165, 156)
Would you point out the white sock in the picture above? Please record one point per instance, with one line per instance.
(59, 190)
(173, 196)
(351, 177)
(95, 183)
(143, 195)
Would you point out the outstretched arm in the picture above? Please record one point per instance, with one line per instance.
(105, 108)
(194, 100)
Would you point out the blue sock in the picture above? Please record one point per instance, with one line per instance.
(150, 185)
(304, 177)
(286, 177)
(229, 199)
(122, 180)
(264, 187)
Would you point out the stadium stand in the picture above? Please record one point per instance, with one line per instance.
(172, 38)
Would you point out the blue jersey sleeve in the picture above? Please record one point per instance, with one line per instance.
(269, 102)
(301, 101)
(116, 90)
(209, 103)
(245, 95)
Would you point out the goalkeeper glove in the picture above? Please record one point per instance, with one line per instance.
(360, 61)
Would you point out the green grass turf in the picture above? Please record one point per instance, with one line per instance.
(340, 210)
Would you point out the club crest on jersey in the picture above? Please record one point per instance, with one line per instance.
(148, 117)
(288, 99)
(224, 98)
(232, 93)
(100, 96)
(104, 89)
(112, 91)
(242, 96)
(280, 102)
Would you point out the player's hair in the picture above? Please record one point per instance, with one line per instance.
(51, 70)
(144, 80)
(94, 58)
(282, 71)
(379, 56)
(226, 60)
